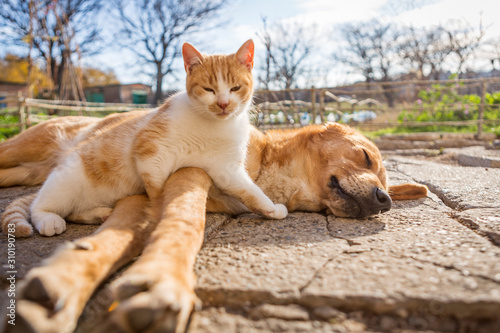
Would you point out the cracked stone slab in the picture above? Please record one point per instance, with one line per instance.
(424, 230)
(416, 258)
(220, 320)
(459, 187)
(485, 221)
(255, 260)
(478, 161)
(413, 259)
(476, 156)
(286, 312)
(473, 191)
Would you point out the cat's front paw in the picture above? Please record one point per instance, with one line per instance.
(50, 225)
(279, 212)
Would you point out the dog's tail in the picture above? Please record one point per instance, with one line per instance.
(15, 218)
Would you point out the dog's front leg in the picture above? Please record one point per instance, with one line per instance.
(157, 292)
(54, 295)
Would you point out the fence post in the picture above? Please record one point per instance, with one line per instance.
(313, 104)
(22, 117)
(322, 105)
(294, 107)
(27, 115)
(481, 110)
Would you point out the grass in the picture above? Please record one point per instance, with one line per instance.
(441, 129)
(6, 119)
(7, 132)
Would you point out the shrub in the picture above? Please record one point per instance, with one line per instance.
(443, 103)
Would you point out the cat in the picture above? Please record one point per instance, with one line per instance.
(207, 126)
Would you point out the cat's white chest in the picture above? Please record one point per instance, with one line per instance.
(197, 141)
(207, 146)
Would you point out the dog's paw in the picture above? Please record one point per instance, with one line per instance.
(41, 304)
(144, 304)
(279, 212)
(50, 224)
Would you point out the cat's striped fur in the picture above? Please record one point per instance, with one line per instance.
(16, 216)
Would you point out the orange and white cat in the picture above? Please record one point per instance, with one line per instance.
(207, 126)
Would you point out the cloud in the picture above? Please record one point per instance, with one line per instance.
(446, 10)
(327, 12)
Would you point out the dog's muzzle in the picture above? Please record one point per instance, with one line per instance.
(380, 202)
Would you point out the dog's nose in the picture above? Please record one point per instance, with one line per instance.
(382, 200)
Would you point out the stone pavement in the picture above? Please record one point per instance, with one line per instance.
(433, 140)
(426, 265)
(477, 156)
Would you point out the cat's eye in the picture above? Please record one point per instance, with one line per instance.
(235, 88)
(209, 89)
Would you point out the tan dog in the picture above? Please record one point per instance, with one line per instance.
(330, 167)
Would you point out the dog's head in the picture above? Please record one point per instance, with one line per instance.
(345, 171)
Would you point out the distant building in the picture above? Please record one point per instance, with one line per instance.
(12, 88)
(135, 93)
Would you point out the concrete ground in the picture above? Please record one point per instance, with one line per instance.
(426, 265)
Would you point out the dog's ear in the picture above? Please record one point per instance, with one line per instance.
(407, 191)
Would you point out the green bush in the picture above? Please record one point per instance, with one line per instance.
(7, 132)
(443, 103)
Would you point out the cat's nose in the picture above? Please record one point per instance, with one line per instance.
(223, 105)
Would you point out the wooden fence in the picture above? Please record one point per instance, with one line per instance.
(32, 111)
(375, 96)
(297, 107)
(11, 105)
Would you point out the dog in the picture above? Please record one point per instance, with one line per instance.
(330, 168)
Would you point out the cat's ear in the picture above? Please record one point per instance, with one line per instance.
(191, 56)
(245, 54)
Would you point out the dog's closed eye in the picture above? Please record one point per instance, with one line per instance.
(334, 184)
(368, 161)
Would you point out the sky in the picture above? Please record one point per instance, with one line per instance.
(244, 20)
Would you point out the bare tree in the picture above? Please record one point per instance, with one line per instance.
(288, 47)
(57, 30)
(265, 77)
(423, 51)
(369, 48)
(491, 53)
(153, 30)
(464, 42)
